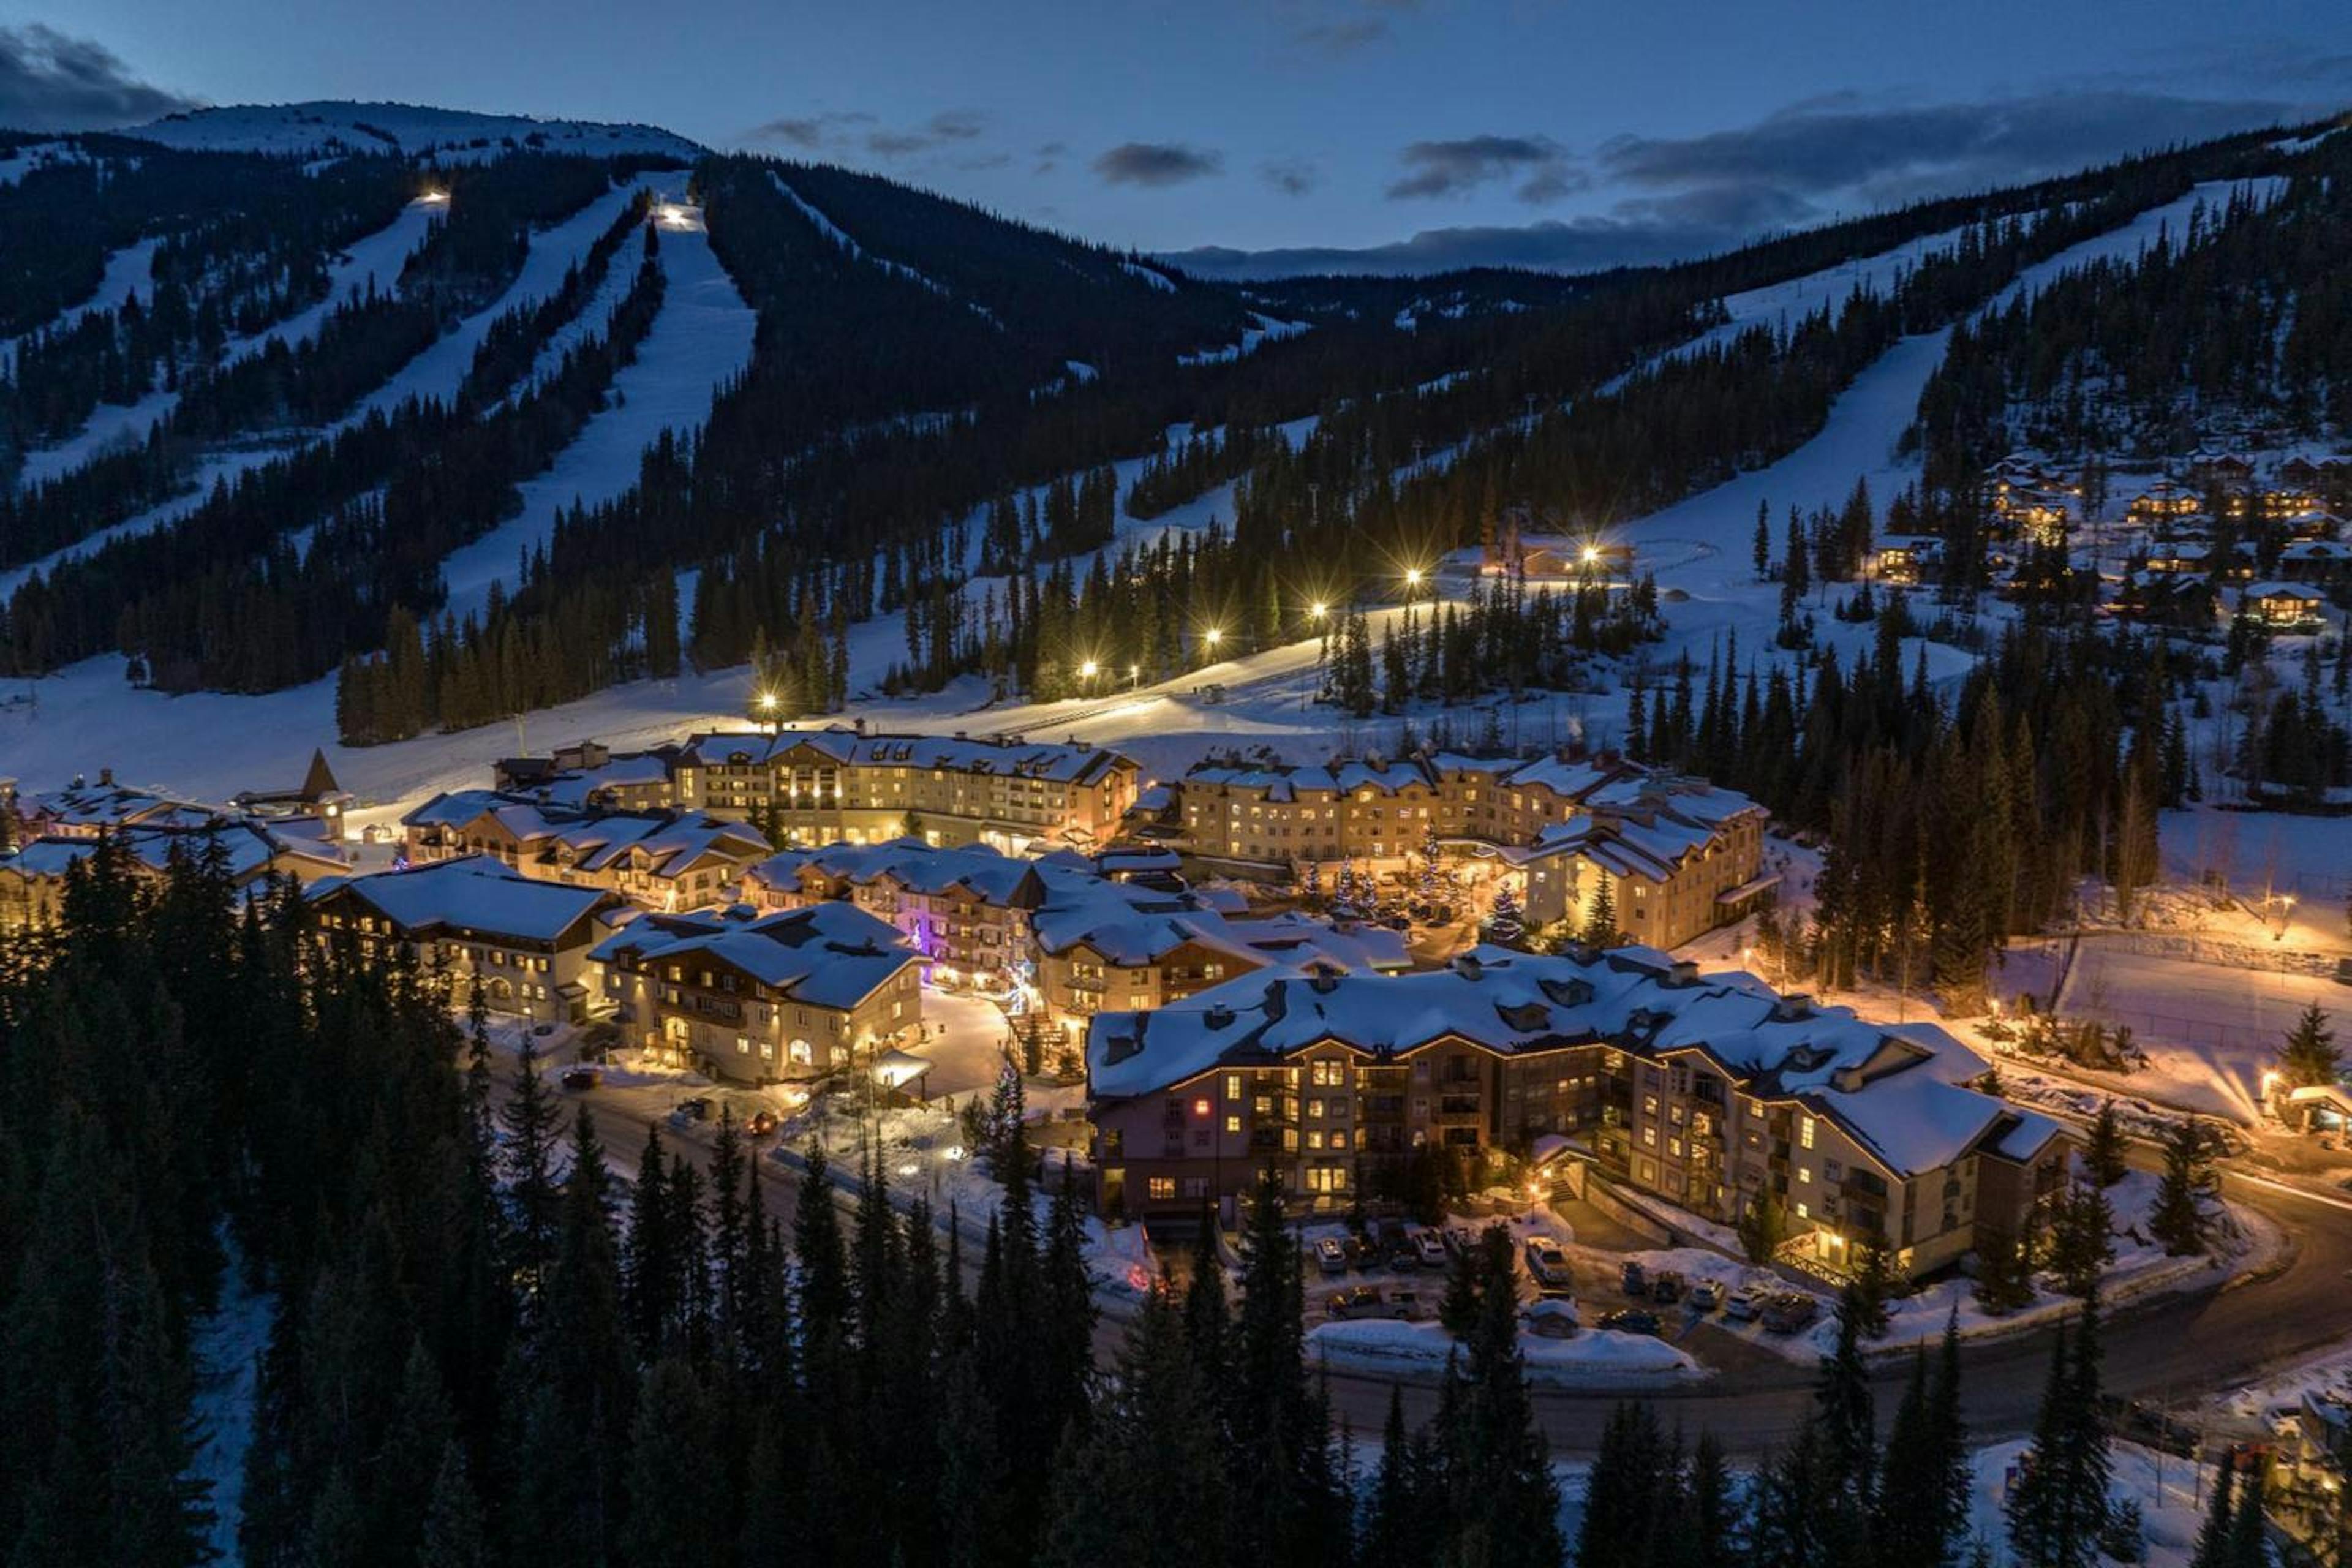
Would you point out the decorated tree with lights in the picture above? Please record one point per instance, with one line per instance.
(1506, 924)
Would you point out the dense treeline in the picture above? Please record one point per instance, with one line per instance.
(474, 253)
(241, 242)
(1948, 826)
(2244, 311)
(227, 599)
(514, 340)
(485, 1349)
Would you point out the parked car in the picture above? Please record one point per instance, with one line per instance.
(1747, 1301)
(687, 1113)
(1431, 1246)
(1706, 1296)
(1636, 1278)
(1546, 1261)
(1631, 1320)
(1331, 1256)
(1404, 1257)
(1668, 1287)
(1460, 1240)
(762, 1124)
(1789, 1311)
(1370, 1302)
(1552, 1318)
(579, 1079)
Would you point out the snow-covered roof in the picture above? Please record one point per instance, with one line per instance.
(658, 842)
(1898, 1092)
(472, 894)
(829, 954)
(1050, 761)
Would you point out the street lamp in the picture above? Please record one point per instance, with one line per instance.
(1318, 609)
(1213, 636)
(1087, 670)
(1412, 577)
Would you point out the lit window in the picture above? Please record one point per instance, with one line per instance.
(1805, 1131)
(1201, 1107)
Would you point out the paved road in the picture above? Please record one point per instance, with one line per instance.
(2173, 1348)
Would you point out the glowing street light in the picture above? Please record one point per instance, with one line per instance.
(1318, 609)
(1087, 670)
(1412, 577)
(767, 703)
(1213, 636)
(1592, 555)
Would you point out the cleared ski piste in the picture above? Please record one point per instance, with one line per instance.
(700, 339)
(436, 372)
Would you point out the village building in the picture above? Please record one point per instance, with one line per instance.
(33, 875)
(1686, 857)
(662, 860)
(843, 784)
(318, 798)
(2285, 606)
(519, 942)
(1713, 1092)
(760, 999)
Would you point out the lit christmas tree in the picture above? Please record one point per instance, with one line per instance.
(1506, 923)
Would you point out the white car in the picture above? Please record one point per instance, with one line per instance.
(1431, 1248)
(1547, 1262)
(1330, 1257)
(1748, 1302)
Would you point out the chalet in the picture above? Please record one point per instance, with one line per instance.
(760, 999)
(319, 798)
(664, 860)
(248, 851)
(1907, 559)
(2285, 606)
(521, 944)
(1679, 857)
(1713, 1092)
(2322, 561)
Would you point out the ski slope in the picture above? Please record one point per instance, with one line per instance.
(375, 260)
(700, 340)
(128, 270)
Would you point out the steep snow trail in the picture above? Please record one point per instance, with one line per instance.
(1706, 536)
(436, 372)
(700, 340)
(128, 270)
(375, 259)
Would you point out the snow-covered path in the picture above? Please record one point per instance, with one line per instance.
(377, 259)
(700, 340)
(126, 270)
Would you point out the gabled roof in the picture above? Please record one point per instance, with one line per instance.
(472, 894)
(1898, 1092)
(829, 954)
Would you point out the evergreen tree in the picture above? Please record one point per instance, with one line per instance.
(1505, 1504)
(2309, 1054)
(2102, 1151)
(2212, 1547)
(2178, 1219)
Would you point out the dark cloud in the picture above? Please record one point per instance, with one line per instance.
(949, 125)
(1291, 176)
(807, 131)
(1157, 164)
(1458, 167)
(49, 81)
(1578, 245)
(1844, 153)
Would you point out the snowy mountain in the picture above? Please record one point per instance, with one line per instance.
(326, 128)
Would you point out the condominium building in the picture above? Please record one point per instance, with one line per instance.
(33, 875)
(1713, 1092)
(520, 942)
(823, 785)
(760, 999)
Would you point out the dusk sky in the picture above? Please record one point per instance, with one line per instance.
(1460, 131)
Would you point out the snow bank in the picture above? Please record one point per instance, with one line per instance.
(1385, 1347)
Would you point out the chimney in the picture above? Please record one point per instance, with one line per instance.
(1219, 1017)
(1792, 1007)
(106, 778)
(1466, 965)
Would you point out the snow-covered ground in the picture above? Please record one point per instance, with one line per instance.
(2170, 1494)
(1386, 1347)
(375, 261)
(702, 338)
(334, 126)
(227, 1351)
(126, 270)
